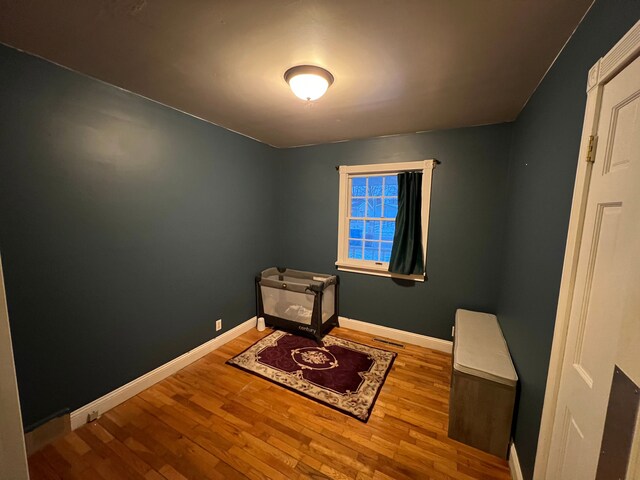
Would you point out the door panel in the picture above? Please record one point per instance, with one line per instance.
(595, 304)
(624, 122)
(573, 439)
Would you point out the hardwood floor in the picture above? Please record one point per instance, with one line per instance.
(211, 420)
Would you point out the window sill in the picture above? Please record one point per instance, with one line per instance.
(379, 272)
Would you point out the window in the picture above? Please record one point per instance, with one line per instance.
(372, 217)
(367, 215)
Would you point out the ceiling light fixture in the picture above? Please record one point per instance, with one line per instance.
(308, 82)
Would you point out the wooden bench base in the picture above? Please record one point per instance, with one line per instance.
(480, 413)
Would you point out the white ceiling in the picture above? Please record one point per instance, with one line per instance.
(400, 65)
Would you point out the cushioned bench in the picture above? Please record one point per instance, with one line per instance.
(483, 384)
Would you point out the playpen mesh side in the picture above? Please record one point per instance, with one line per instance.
(328, 302)
(293, 306)
(296, 306)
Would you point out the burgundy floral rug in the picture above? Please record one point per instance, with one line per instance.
(338, 373)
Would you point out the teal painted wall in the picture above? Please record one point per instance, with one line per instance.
(546, 139)
(465, 228)
(126, 229)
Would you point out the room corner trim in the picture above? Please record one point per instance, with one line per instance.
(514, 463)
(80, 416)
(398, 335)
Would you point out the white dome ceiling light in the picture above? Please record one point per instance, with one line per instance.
(308, 82)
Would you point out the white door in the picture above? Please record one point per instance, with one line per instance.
(605, 290)
(13, 460)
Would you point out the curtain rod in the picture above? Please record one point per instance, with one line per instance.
(437, 162)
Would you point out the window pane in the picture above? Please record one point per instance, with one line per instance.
(388, 229)
(371, 251)
(355, 249)
(372, 230)
(390, 207)
(374, 207)
(375, 187)
(391, 186)
(358, 186)
(372, 197)
(357, 207)
(385, 251)
(356, 228)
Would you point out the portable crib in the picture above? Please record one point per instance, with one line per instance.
(305, 303)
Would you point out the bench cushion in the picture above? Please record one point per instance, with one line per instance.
(480, 349)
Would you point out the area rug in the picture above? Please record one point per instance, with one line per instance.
(339, 373)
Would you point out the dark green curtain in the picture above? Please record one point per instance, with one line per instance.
(406, 254)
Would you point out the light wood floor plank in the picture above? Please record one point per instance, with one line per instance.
(213, 421)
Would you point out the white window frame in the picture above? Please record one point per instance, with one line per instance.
(370, 267)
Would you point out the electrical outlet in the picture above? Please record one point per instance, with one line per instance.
(92, 416)
(218, 325)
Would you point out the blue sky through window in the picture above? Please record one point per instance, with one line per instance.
(373, 210)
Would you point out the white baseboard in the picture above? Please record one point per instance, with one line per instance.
(514, 463)
(399, 335)
(80, 416)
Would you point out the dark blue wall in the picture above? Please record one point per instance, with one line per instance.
(541, 176)
(465, 229)
(126, 229)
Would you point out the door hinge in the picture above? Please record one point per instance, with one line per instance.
(591, 149)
